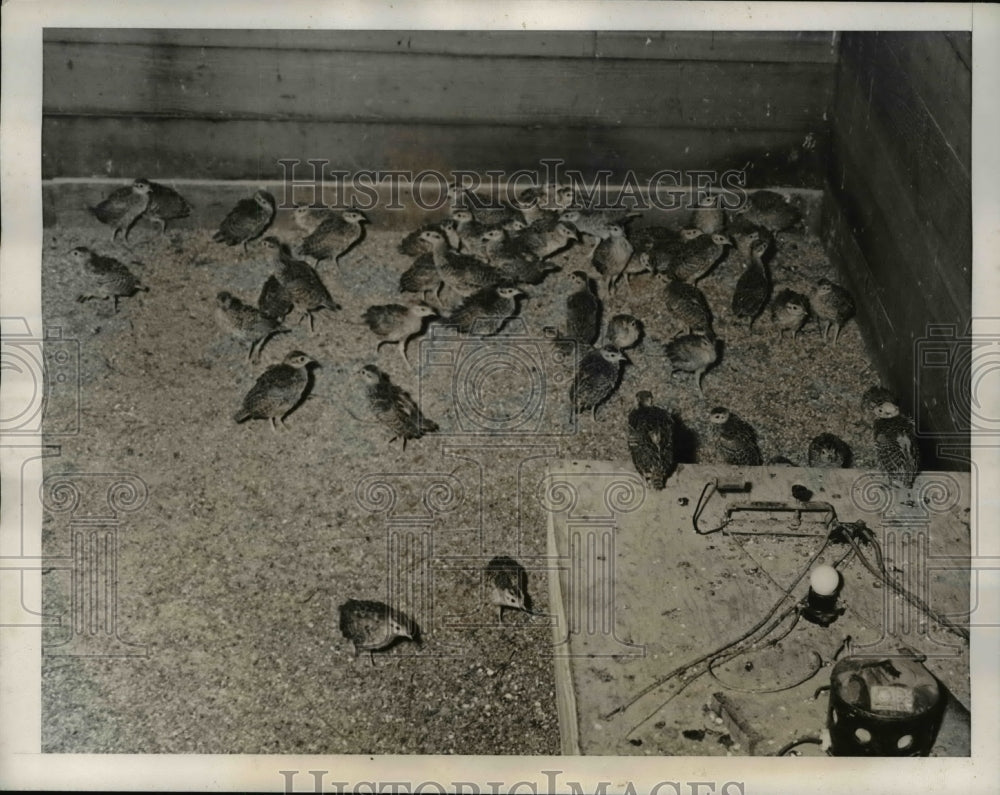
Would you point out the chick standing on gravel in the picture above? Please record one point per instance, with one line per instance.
(484, 312)
(583, 311)
(736, 440)
(108, 277)
(246, 323)
(896, 444)
(508, 585)
(698, 256)
(372, 626)
(651, 440)
(393, 407)
(279, 389)
(692, 353)
(754, 286)
(300, 280)
(623, 332)
(396, 323)
(597, 376)
(789, 311)
(829, 451)
(833, 306)
(123, 207)
(335, 236)
(165, 204)
(611, 255)
(247, 220)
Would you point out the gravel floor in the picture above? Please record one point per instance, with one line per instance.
(231, 574)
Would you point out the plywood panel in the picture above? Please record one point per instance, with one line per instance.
(753, 45)
(247, 83)
(661, 598)
(908, 187)
(783, 46)
(175, 148)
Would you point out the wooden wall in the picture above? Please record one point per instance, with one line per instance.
(898, 215)
(228, 104)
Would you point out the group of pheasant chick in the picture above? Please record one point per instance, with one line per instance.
(470, 270)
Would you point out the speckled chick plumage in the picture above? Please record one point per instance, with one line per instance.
(279, 389)
(485, 312)
(461, 273)
(245, 322)
(373, 626)
(247, 220)
(829, 451)
(770, 210)
(123, 207)
(896, 444)
(165, 204)
(611, 256)
(744, 234)
(516, 267)
(688, 306)
(692, 353)
(542, 242)
(623, 332)
(708, 216)
(789, 311)
(753, 289)
(597, 376)
(335, 236)
(583, 311)
(301, 281)
(107, 278)
(274, 301)
(397, 323)
(507, 585)
(651, 440)
(393, 407)
(735, 439)
(697, 256)
(833, 306)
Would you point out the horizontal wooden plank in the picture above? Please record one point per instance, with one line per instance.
(905, 160)
(795, 46)
(757, 45)
(544, 44)
(175, 148)
(244, 83)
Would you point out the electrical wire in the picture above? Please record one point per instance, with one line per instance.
(786, 593)
(880, 572)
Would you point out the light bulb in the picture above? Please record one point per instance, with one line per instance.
(824, 580)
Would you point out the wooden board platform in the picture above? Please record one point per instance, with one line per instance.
(640, 593)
